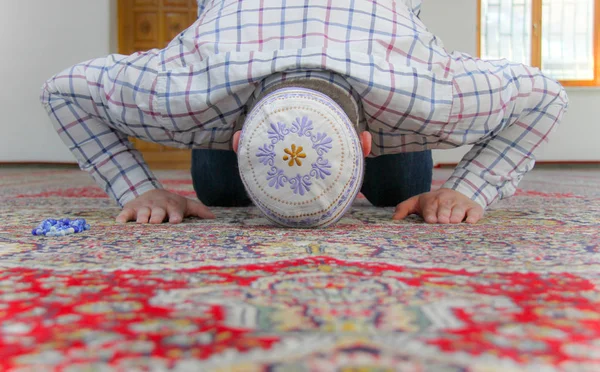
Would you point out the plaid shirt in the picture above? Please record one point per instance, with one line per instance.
(414, 95)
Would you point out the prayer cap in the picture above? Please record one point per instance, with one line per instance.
(300, 158)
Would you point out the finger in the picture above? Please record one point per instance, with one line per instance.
(474, 214)
(195, 208)
(158, 215)
(406, 208)
(444, 211)
(126, 215)
(143, 215)
(175, 214)
(430, 211)
(458, 214)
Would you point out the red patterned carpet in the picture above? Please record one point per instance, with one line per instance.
(518, 291)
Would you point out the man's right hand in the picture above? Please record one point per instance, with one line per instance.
(157, 206)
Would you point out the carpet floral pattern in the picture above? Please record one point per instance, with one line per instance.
(518, 291)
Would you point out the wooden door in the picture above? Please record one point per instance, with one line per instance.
(147, 24)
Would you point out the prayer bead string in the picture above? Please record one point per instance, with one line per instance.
(61, 227)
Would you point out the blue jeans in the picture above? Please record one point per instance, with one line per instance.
(389, 179)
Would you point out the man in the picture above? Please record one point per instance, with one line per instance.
(413, 96)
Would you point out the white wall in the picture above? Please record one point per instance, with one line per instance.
(577, 138)
(40, 39)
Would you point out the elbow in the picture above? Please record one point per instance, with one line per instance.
(561, 101)
(45, 94)
(564, 98)
(555, 92)
(47, 91)
(552, 106)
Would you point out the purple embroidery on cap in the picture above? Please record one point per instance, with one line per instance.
(266, 154)
(300, 184)
(321, 143)
(277, 132)
(320, 169)
(302, 126)
(276, 178)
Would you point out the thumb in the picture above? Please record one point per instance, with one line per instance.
(195, 208)
(407, 207)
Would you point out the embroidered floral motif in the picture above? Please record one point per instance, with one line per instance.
(277, 132)
(300, 184)
(266, 154)
(276, 178)
(294, 155)
(321, 143)
(301, 126)
(321, 168)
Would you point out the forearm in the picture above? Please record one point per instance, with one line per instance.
(73, 100)
(494, 167)
(414, 5)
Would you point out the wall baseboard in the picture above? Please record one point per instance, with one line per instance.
(33, 164)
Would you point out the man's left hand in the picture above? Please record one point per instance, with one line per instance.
(441, 206)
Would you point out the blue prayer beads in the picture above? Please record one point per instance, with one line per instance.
(61, 227)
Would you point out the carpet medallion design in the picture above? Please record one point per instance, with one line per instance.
(520, 291)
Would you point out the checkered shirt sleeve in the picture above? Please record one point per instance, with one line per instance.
(414, 95)
(94, 118)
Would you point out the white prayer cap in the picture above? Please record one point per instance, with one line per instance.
(300, 158)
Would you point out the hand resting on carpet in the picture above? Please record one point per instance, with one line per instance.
(440, 206)
(157, 206)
